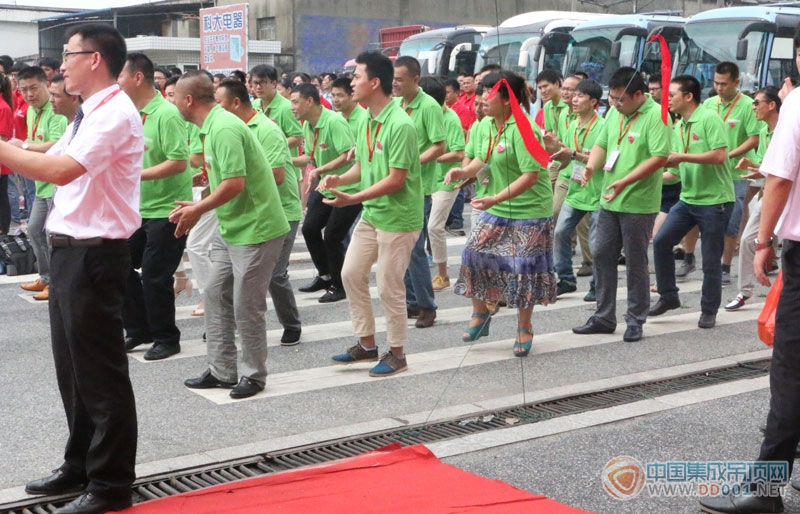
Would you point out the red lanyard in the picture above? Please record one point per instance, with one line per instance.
(579, 148)
(269, 110)
(316, 137)
(252, 115)
(409, 110)
(370, 146)
(627, 128)
(733, 104)
(493, 141)
(688, 137)
(36, 125)
(555, 116)
(104, 101)
(144, 117)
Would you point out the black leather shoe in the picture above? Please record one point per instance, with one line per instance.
(207, 381)
(245, 389)
(707, 320)
(742, 505)
(90, 503)
(161, 351)
(632, 334)
(333, 294)
(412, 312)
(318, 284)
(593, 326)
(662, 306)
(133, 342)
(60, 482)
(290, 337)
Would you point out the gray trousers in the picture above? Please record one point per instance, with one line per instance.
(617, 230)
(236, 297)
(38, 236)
(280, 289)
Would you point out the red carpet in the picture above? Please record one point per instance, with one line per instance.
(393, 480)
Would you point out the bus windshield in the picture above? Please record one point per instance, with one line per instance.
(502, 49)
(590, 52)
(424, 50)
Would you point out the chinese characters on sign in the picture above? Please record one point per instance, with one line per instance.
(223, 38)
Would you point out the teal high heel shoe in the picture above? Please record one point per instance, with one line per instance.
(478, 331)
(524, 347)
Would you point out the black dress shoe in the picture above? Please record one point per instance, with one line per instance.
(593, 326)
(133, 342)
(245, 389)
(632, 334)
(318, 284)
(412, 312)
(333, 294)
(290, 337)
(161, 351)
(742, 505)
(90, 503)
(60, 482)
(707, 320)
(207, 381)
(663, 305)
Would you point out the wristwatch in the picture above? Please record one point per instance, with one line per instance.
(25, 145)
(761, 246)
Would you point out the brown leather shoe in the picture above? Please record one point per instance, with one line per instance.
(426, 318)
(37, 285)
(43, 295)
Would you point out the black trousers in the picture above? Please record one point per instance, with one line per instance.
(149, 307)
(5, 207)
(328, 253)
(86, 290)
(783, 420)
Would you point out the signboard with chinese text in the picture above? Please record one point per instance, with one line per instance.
(223, 38)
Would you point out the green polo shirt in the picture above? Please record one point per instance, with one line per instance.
(279, 110)
(764, 139)
(478, 135)
(330, 138)
(254, 216)
(509, 159)
(740, 123)
(45, 126)
(276, 149)
(194, 142)
(393, 140)
(164, 139)
(357, 117)
(703, 184)
(426, 114)
(582, 139)
(556, 117)
(455, 142)
(638, 137)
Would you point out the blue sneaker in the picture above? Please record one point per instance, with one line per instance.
(356, 353)
(389, 365)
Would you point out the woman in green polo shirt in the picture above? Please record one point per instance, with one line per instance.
(509, 254)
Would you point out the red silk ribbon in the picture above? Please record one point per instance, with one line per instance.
(666, 70)
(532, 143)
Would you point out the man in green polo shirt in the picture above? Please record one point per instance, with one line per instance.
(700, 154)
(343, 103)
(44, 129)
(328, 141)
(556, 110)
(278, 109)
(252, 226)
(426, 114)
(633, 146)
(388, 169)
(148, 312)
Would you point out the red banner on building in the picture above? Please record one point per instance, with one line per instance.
(223, 38)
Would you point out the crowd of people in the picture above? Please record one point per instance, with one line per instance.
(372, 169)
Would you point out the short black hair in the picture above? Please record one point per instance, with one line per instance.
(32, 72)
(220, 76)
(51, 62)
(655, 78)
(236, 89)
(551, 76)
(265, 71)
(489, 68)
(57, 78)
(433, 87)
(453, 83)
(286, 83)
(200, 85)
(304, 77)
(171, 81)
(238, 74)
(628, 78)
(771, 93)
(581, 75)
(688, 84)
(343, 84)
(105, 39)
(378, 66)
(409, 63)
(727, 68)
(18, 66)
(140, 63)
(6, 62)
(175, 72)
(590, 88)
(162, 70)
(307, 91)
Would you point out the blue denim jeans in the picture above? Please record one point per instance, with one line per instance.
(712, 220)
(740, 190)
(419, 289)
(568, 220)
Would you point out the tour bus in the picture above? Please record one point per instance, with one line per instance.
(600, 47)
(445, 52)
(757, 38)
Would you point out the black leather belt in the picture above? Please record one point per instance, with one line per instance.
(60, 241)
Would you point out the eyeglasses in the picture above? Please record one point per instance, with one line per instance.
(654, 88)
(757, 102)
(259, 83)
(77, 52)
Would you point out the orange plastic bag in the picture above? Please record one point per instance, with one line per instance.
(766, 320)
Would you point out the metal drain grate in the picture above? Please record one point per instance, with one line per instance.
(190, 480)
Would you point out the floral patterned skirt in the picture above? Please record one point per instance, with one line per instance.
(510, 260)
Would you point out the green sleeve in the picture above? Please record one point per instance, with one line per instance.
(195, 143)
(289, 124)
(276, 149)
(170, 133)
(341, 136)
(524, 158)
(228, 147)
(455, 136)
(469, 150)
(659, 140)
(403, 152)
(308, 137)
(57, 127)
(716, 135)
(433, 120)
(602, 137)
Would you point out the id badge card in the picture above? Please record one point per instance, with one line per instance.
(577, 172)
(611, 161)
